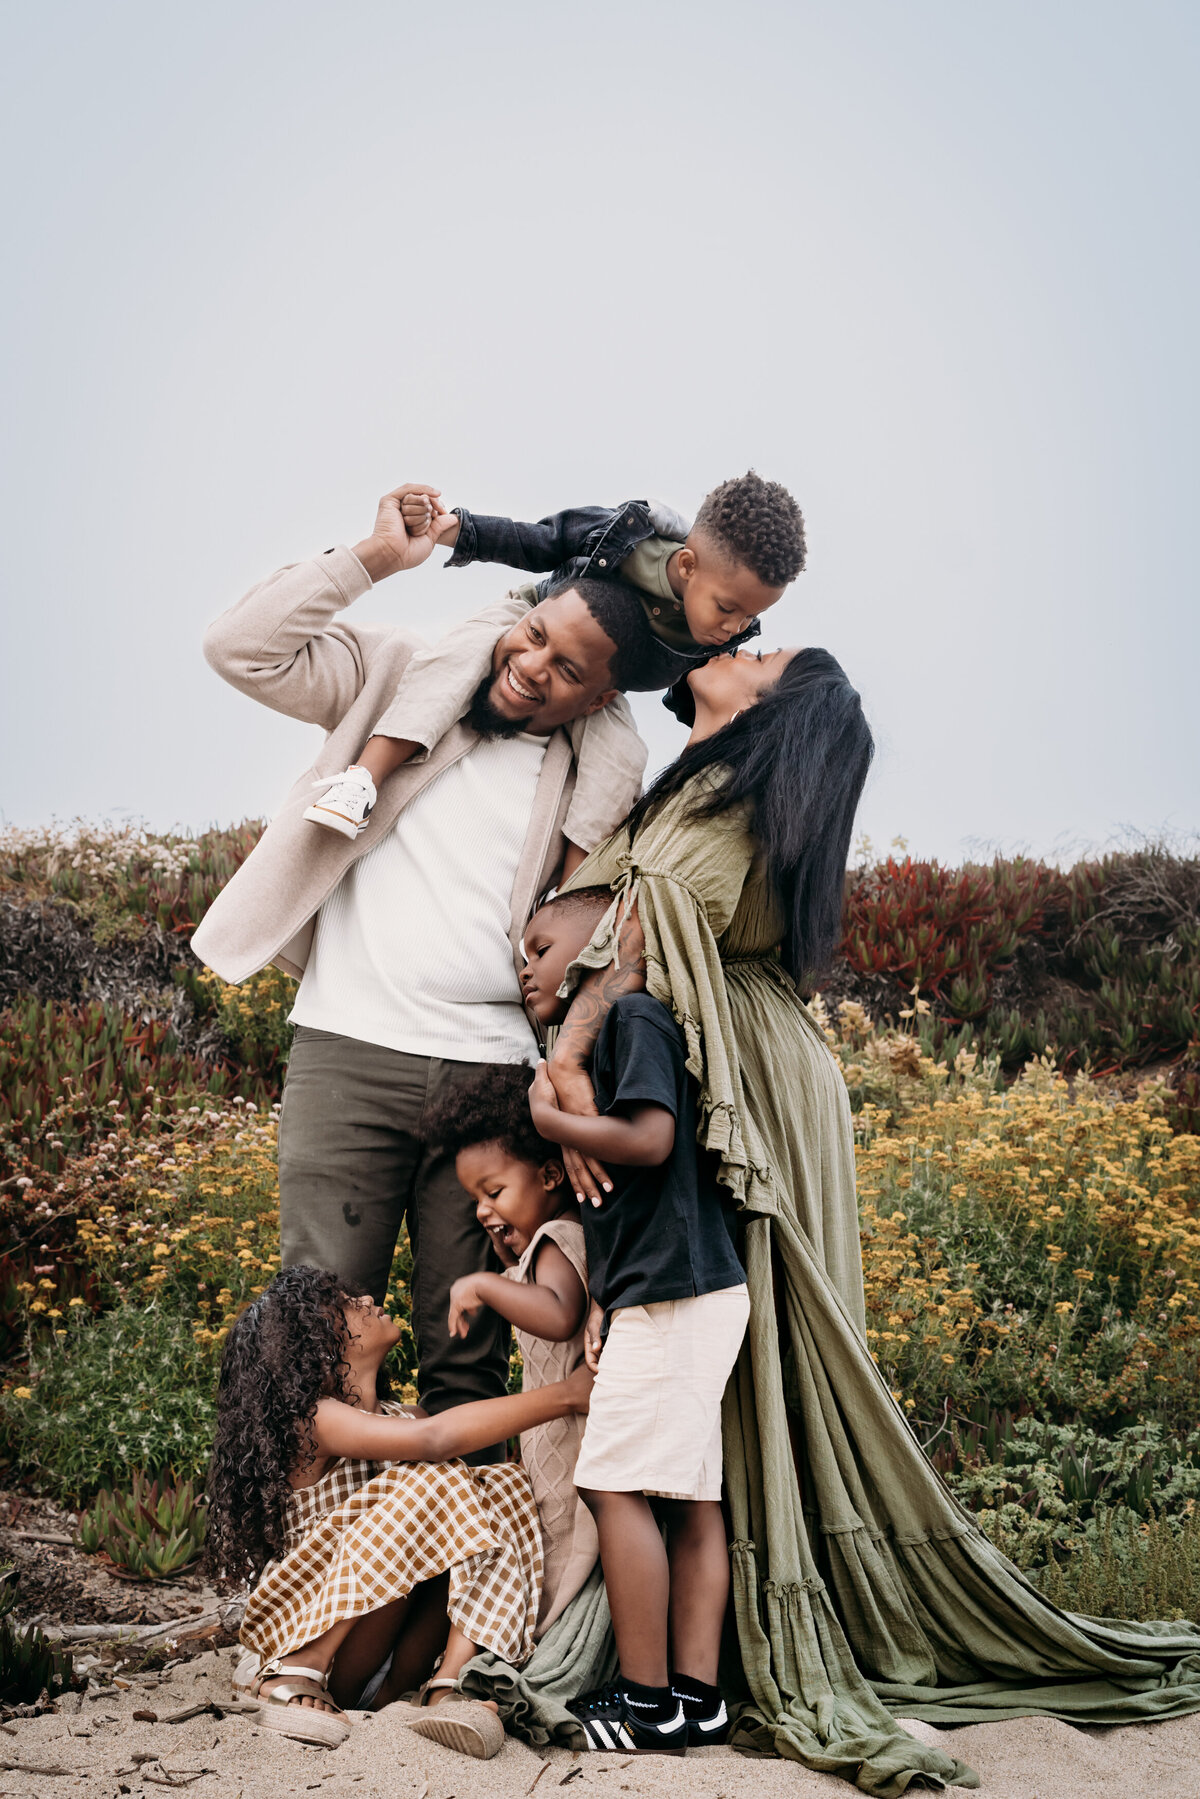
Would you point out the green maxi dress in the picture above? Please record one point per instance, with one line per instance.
(862, 1590)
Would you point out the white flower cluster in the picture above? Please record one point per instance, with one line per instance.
(99, 852)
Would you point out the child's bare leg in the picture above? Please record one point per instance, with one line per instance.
(637, 1579)
(427, 1633)
(699, 1563)
(319, 1654)
(365, 1648)
(421, 1641)
(384, 755)
(459, 1651)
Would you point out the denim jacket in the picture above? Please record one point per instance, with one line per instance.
(585, 540)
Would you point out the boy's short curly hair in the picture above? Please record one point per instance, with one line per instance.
(492, 1107)
(756, 523)
(592, 901)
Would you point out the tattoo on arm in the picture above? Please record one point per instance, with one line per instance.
(598, 992)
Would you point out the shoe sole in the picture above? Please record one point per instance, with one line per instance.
(334, 821)
(620, 1747)
(321, 1729)
(479, 1736)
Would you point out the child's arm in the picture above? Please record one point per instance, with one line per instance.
(643, 1137)
(344, 1430)
(438, 684)
(550, 1306)
(537, 547)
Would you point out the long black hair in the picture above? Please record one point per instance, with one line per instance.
(800, 757)
(285, 1352)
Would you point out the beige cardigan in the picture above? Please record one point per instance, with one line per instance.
(282, 645)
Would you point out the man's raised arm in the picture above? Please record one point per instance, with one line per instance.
(279, 644)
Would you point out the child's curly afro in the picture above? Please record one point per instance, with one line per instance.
(490, 1108)
(758, 524)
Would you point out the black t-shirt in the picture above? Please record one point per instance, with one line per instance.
(665, 1232)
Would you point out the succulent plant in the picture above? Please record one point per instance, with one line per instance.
(154, 1532)
(29, 1663)
(99, 1053)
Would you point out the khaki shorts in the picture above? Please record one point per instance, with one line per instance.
(655, 1420)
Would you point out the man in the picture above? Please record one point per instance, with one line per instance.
(407, 944)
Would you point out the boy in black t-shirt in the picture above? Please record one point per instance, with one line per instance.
(664, 1273)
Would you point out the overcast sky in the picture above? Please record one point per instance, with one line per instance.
(933, 266)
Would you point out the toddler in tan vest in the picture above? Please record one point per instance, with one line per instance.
(532, 1218)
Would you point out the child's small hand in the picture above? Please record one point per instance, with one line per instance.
(579, 1387)
(418, 510)
(464, 1304)
(543, 1100)
(425, 516)
(593, 1340)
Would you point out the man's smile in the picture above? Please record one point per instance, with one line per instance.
(526, 695)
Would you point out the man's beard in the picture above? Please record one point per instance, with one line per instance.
(486, 718)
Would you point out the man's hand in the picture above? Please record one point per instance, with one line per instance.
(464, 1304)
(425, 516)
(391, 545)
(593, 1339)
(574, 1093)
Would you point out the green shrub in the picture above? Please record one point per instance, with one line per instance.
(129, 1389)
(1124, 1567)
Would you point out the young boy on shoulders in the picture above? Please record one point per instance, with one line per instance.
(523, 1203)
(664, 1276)
(700, 589)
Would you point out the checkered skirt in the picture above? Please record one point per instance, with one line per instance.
(367, 1533)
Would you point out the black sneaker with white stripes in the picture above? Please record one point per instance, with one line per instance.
(610, 1722)
(705, 1729)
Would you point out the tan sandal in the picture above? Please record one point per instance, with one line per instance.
(328, 1730)
(467, 1725)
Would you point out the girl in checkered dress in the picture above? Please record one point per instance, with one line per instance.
(363, 1535)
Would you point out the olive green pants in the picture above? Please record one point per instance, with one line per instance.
(353, 1167)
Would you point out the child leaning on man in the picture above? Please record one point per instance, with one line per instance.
(669, 1308)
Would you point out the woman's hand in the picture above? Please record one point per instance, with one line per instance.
(593, 1338)
(465, 1303)
(579, 1387)
(574, 1093)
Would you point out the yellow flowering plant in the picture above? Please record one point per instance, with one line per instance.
(1036, 1246)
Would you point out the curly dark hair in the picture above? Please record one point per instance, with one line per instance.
(285, 1352)
(492, 1107)
(756, 523)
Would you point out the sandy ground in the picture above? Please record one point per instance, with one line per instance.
(101, 1749)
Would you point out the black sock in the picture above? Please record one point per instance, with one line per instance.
(699, 1699)
(650, 1705)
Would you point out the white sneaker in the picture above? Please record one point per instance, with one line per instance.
(346, 804)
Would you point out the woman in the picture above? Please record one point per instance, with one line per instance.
(861, 1588)
(321, 1493)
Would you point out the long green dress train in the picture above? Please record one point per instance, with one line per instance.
(862, 1590)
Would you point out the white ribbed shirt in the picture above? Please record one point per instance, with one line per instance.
(411, 948)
